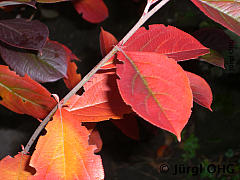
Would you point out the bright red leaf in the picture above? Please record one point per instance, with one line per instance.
(16, 168)
(23, 33)
(24, 95)
(157, 89)
(202, 93)
(47, 66)
(64, 152)
(225, 12)
(101, 100)
(94, 11)
(168, 40)
(107, 42)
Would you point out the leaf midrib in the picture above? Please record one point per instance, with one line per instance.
(144, 82)
(18, 95)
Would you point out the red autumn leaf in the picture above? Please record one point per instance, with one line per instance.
(64, 152)
(223, 12)
(100, 101)
(48, 66)
(202, 93)
(23, 33)
(168, 40)
(157, 89)
(73, 78)
(107, 41)
(94, 11)
(16, 168)
(128, 125)
(24, 95)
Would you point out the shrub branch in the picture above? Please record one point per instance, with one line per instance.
(140, 22)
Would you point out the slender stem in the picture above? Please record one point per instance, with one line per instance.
(141, 21)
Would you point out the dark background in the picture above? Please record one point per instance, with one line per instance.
(209, 137)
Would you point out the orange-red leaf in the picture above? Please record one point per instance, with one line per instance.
(202, 93)
(107, 41)
(64, 152)
(73, 78)
(225, 12)
(16, 168)
(157, 88)
(24, 95)
(168, 40)
(94, 11)
(100, 101)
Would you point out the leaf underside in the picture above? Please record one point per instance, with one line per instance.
(224, 12)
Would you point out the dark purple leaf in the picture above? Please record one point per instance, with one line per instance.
(48, 67)
(23, 33)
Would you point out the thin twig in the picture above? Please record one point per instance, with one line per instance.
(141, 21)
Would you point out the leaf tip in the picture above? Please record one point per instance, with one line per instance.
(179, 137)
(210, 108)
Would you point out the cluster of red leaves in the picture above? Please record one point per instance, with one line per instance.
(151, 81)
(147, 78)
